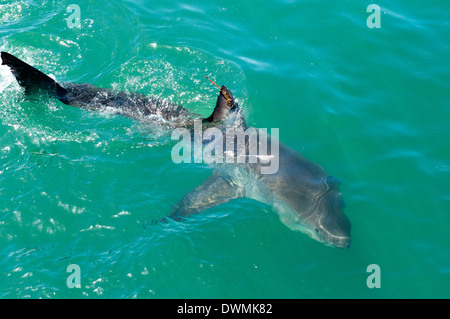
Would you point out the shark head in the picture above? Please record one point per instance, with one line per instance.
(309, 200)
(317, 214)
(330, 225)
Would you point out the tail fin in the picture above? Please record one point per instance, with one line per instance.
(31, 79)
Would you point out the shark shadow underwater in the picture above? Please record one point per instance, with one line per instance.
(306, 198)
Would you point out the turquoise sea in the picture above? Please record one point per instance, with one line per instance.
(370, 105)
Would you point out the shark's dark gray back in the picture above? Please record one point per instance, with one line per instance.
(87, 96)
(131, 104)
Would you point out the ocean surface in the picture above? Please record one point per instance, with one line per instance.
(370, 105)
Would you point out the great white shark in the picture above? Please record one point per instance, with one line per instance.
(306, 198)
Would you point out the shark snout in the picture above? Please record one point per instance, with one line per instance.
(335, 227)
(341, 242)
(336, 236)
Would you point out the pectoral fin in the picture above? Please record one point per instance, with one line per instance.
(216, 190)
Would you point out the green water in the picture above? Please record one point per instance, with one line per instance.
(370, 105)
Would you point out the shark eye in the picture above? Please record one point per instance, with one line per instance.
(317, 231)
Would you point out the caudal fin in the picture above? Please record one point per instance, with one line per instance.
(31, 79)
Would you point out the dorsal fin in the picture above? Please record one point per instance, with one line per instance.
(225, 103)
